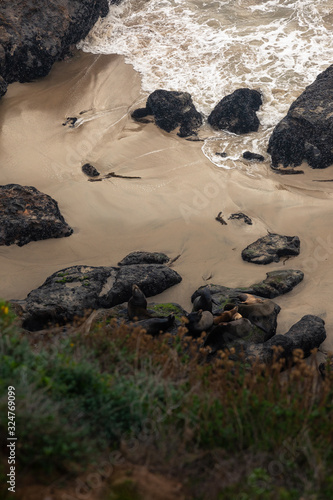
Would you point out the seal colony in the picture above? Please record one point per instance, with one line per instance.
(179, 156)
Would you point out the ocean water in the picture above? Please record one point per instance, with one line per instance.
(211, 48)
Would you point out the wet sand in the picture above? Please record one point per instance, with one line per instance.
(171, 209)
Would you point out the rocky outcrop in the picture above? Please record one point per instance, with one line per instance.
(171, 110)
(36, 33)
(144, 258)
(277, 283)
(271, 248)
(306, 133)
(237, 112)
(307, 334)
(72, 292)
(27, 215)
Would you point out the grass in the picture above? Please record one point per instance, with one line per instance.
(223, 429)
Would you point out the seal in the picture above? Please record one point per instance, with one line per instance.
(203, 301)
(227, 316)
(155, 326)
(137, 304)
(199, 321)
(247, 298)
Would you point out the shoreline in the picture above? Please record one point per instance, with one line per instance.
(171, 209)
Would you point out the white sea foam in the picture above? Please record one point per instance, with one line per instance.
(210, 48)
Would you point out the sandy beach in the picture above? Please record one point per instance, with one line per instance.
(171, 209)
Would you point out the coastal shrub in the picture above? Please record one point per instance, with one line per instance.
(93, 388)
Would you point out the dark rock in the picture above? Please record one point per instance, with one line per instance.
(237, 112)
(140, 115)
(270, 248)
(306, 133)
(241, 216)
(3, 86)
(278, 283)
(144, 258)
(152, 279)
(36, 33)
(67, 294)
(90, 170)
(170, 110)
(223, 155)
(73, 291)
(253, 156)
(27, 215)
(307, 334)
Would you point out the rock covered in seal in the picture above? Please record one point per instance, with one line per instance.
(270, 248)
(237, 112)
(27, 215)
(73, 291)
(171, 110)
(306, 132)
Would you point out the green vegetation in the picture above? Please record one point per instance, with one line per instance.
(224, 430)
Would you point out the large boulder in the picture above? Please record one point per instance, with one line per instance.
(27, 215)
(307, 334)
(306, 133)
(72, 292)
(271, 248)
(171, 110)
(36, 33)
(277, 283)
(237, 112)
